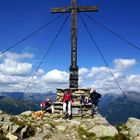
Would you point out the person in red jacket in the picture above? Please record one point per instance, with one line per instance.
(67, 99)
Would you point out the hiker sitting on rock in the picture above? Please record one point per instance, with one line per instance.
(67, 98)
(47, 105)
(94, 97)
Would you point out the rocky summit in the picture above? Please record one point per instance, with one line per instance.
(54, 127)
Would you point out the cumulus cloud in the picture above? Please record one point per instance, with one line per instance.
(11, 67)
(16, 56)
(56, 77)
(7, 80)
(104, 81)
(121, 64)
(40, 72)
(83, 71)
(12, 64)
(15, 76)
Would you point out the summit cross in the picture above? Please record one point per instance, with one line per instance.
(73, 9)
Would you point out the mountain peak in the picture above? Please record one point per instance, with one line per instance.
(54, 127)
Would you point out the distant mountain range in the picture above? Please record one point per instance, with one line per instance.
(116, 108)
(17, 102)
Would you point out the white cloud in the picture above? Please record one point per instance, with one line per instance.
(103, 80)
(97, 71)
(16, 56)
(8, 80)
(83, 71)
(12, 67)
(15, 76)
(55, 76)
(121, 64)
(40, 72)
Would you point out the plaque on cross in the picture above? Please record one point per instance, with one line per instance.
(73, 9)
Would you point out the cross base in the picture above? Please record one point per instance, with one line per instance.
(77, 108)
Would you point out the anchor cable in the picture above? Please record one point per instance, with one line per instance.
(43, 59)
(117, 35)
(31, 34)
(103, 58)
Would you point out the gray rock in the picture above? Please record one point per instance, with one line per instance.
(60, 120)
(87, 124)
(38, 130)
(47, 126)
(23, 131)
(99, 120)
(133, 126)
(11, 136)
(5, 128)
(26, 113)
(6, 118)
(74, 122)
(40, 136)
(45, 131)
(1, 112)
(137, 137)
(15, 128)
(61, 128)
(52, 126)
(103, 131)
(1, 118)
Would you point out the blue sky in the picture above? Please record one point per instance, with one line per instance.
(20, 18)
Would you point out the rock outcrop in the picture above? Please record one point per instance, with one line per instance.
(54, 127)
(132, 128)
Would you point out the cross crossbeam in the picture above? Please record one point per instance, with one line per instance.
(73, 9)
(79, 9)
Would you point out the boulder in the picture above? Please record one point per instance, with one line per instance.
(137, 137)
(1, 118)
(26, 113)
(103, 131)
(24, 131)
(47, 126)
(5, 128)
(38, 130)
(1, 112)
(11, 136)
(133, 125)
(74, 122)
(87, 124)
(61, 128)
(53, 125)
(15, 128)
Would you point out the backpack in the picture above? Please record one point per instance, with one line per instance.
(43, 104)
(95, 96)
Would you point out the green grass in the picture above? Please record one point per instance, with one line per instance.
(38, 125)
(47, 136)
(117, 137)
(19, 122)
(84, 135)
(3, 138)
(52, 124)
(16, 121)
(121, 127)
(58, 116)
